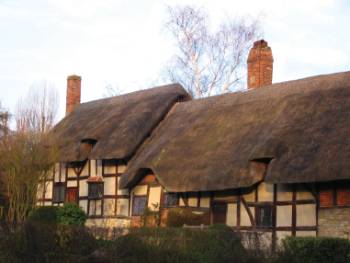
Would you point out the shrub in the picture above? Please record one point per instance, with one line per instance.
(44, 214)
(314, 250)
(179, 245)
(36, 243)
(71, 214)
(177, 217)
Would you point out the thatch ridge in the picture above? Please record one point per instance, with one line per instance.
(208, 144)
(119, 124)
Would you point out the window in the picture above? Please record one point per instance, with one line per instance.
(170, 199)
(138, 205)
(334, 194)
(264, 216)
(95, 190)
(326, 198)
(59, 190)
(343, 196)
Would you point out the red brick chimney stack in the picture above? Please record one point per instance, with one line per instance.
(260, 65)
(73, 93)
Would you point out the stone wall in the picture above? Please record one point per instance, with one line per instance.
(334, 222)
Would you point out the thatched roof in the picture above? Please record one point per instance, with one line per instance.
(208, 144)
(119, 124)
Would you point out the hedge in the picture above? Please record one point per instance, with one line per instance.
(179, 245)
(68, 214)
(314, 250)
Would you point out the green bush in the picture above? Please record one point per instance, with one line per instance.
(179, 245)
(71, 214)
(38, 242)
(314, 250)
(44, 214)
(177, 217)
(68, 214)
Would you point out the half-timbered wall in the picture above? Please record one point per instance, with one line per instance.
(108, 209)
(277, 210)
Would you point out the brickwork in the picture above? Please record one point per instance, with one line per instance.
(334, 222)
(260, 65)
(73, 93)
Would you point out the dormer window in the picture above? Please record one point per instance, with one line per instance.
(86, 146)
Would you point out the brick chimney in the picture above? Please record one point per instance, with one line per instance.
(260, 65)
(73, 93)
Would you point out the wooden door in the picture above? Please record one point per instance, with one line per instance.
(219, 211)
(72, 195)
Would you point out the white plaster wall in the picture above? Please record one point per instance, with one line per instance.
(92, 167)
(284, 192)
(154, 198)
(250, 197)
(204, 202)
(231, 218)
(48, 190)
(306, 215)
(110, 169)
(303, 193)
(181, 202)
(108, 207)
(83, 204)
(140, 190)
(71, 173)
(57, 172)
(99, 167)
(83, 188)
(122, 207)
(72, 183)
(265, 192)
(63, 172)
(122, 191)
(40, 191)
(245, 220)
(109, 185)
(192, 201)
(121, 168)
(85, 170)
(284, 215)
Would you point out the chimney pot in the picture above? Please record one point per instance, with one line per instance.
(73, 92)
(260, 65)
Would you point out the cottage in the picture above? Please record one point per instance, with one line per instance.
(274, 158)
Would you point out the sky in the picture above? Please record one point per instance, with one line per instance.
(123, 42)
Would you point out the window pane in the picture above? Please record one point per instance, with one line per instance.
(264, 216)
(58, 193)
(139, 205)
(326, 198)
(95, 190)
(343, 197)
(170, 199)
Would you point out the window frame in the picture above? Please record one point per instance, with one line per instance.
(259, 221)
(100, 190)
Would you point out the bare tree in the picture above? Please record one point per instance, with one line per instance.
(38, 110)
(111, 91)
(208, 61)
(28, 153)
(4, 116)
